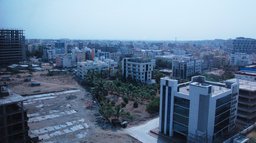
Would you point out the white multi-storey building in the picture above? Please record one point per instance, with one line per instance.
(96, 66)
(240, 59)
(138, 69)
(200, 110)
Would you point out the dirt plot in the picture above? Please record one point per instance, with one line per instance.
(47, 83)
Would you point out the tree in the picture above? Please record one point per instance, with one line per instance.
(153, 106)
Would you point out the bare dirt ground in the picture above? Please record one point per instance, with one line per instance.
(48, 83)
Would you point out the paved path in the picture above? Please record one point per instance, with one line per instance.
(141, 132)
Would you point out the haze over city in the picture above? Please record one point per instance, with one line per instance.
(130, 19)
(127, 71)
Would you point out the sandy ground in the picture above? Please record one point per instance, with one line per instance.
(48, 83)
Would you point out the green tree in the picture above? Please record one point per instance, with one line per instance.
(153, 106)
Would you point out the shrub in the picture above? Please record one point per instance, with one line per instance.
(153, 106)
(123, 104)
(135, 104)
(126, 100)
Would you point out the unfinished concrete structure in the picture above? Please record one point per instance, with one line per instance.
(13, 118)
(12, 49)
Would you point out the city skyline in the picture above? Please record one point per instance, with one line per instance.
(130, 20)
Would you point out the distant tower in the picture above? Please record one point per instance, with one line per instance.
(93, 53)
(12, 47)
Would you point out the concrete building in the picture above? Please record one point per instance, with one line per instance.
(12, 47)
(95, 66)
(185, 68)
(13, 118)
(240, 59)
(242, 45)
(138, 69)
(64, 61)
(246, 113)
(59, 48)
(246, 73)
(199, 110)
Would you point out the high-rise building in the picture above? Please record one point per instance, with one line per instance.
(185, 68)
(138, 69)
(199, 110)
(13, 117)
(242, 45)
(59, 48)
(12, 47)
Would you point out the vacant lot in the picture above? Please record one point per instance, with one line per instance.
(47, 83)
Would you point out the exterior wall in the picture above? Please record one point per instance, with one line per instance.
(242, 45)
(199, 124)
(141, 71)
(12, 47)
(246, 77)
(186, 68)
(240, 59)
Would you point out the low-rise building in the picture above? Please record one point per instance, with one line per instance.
(95, 66)
(138, 69)
(198, 111)
(240, 59)
(64, 61)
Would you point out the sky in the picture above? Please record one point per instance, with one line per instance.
(131, 19)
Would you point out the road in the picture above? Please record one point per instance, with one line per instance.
(142, 132)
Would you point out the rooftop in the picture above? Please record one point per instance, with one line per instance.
(12, 98)
(139, 60)
(216, 89)
(246, 85)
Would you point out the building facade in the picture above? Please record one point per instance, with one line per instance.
(138, 69)
(246, 114)
(13, 118)
(240, 59)
(186, 68)
(242, 45)
(12, 47)
(199, 111)
(95, 66)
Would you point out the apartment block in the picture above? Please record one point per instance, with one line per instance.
(240, 59)
(96, 66)
(199, 110)
(13, 117)
(138, 69)
(12, 50)
(185, 68)
(242, 45)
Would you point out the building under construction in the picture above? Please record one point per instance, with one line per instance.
(12, 46)
(13, 118)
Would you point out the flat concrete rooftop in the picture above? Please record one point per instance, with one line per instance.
(246, 85)
(12, 98)
(216, 90)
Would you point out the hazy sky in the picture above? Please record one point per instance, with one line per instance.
(131, 19)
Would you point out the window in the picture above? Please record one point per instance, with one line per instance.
(182, 102)
(180, 128)
(180, 119)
